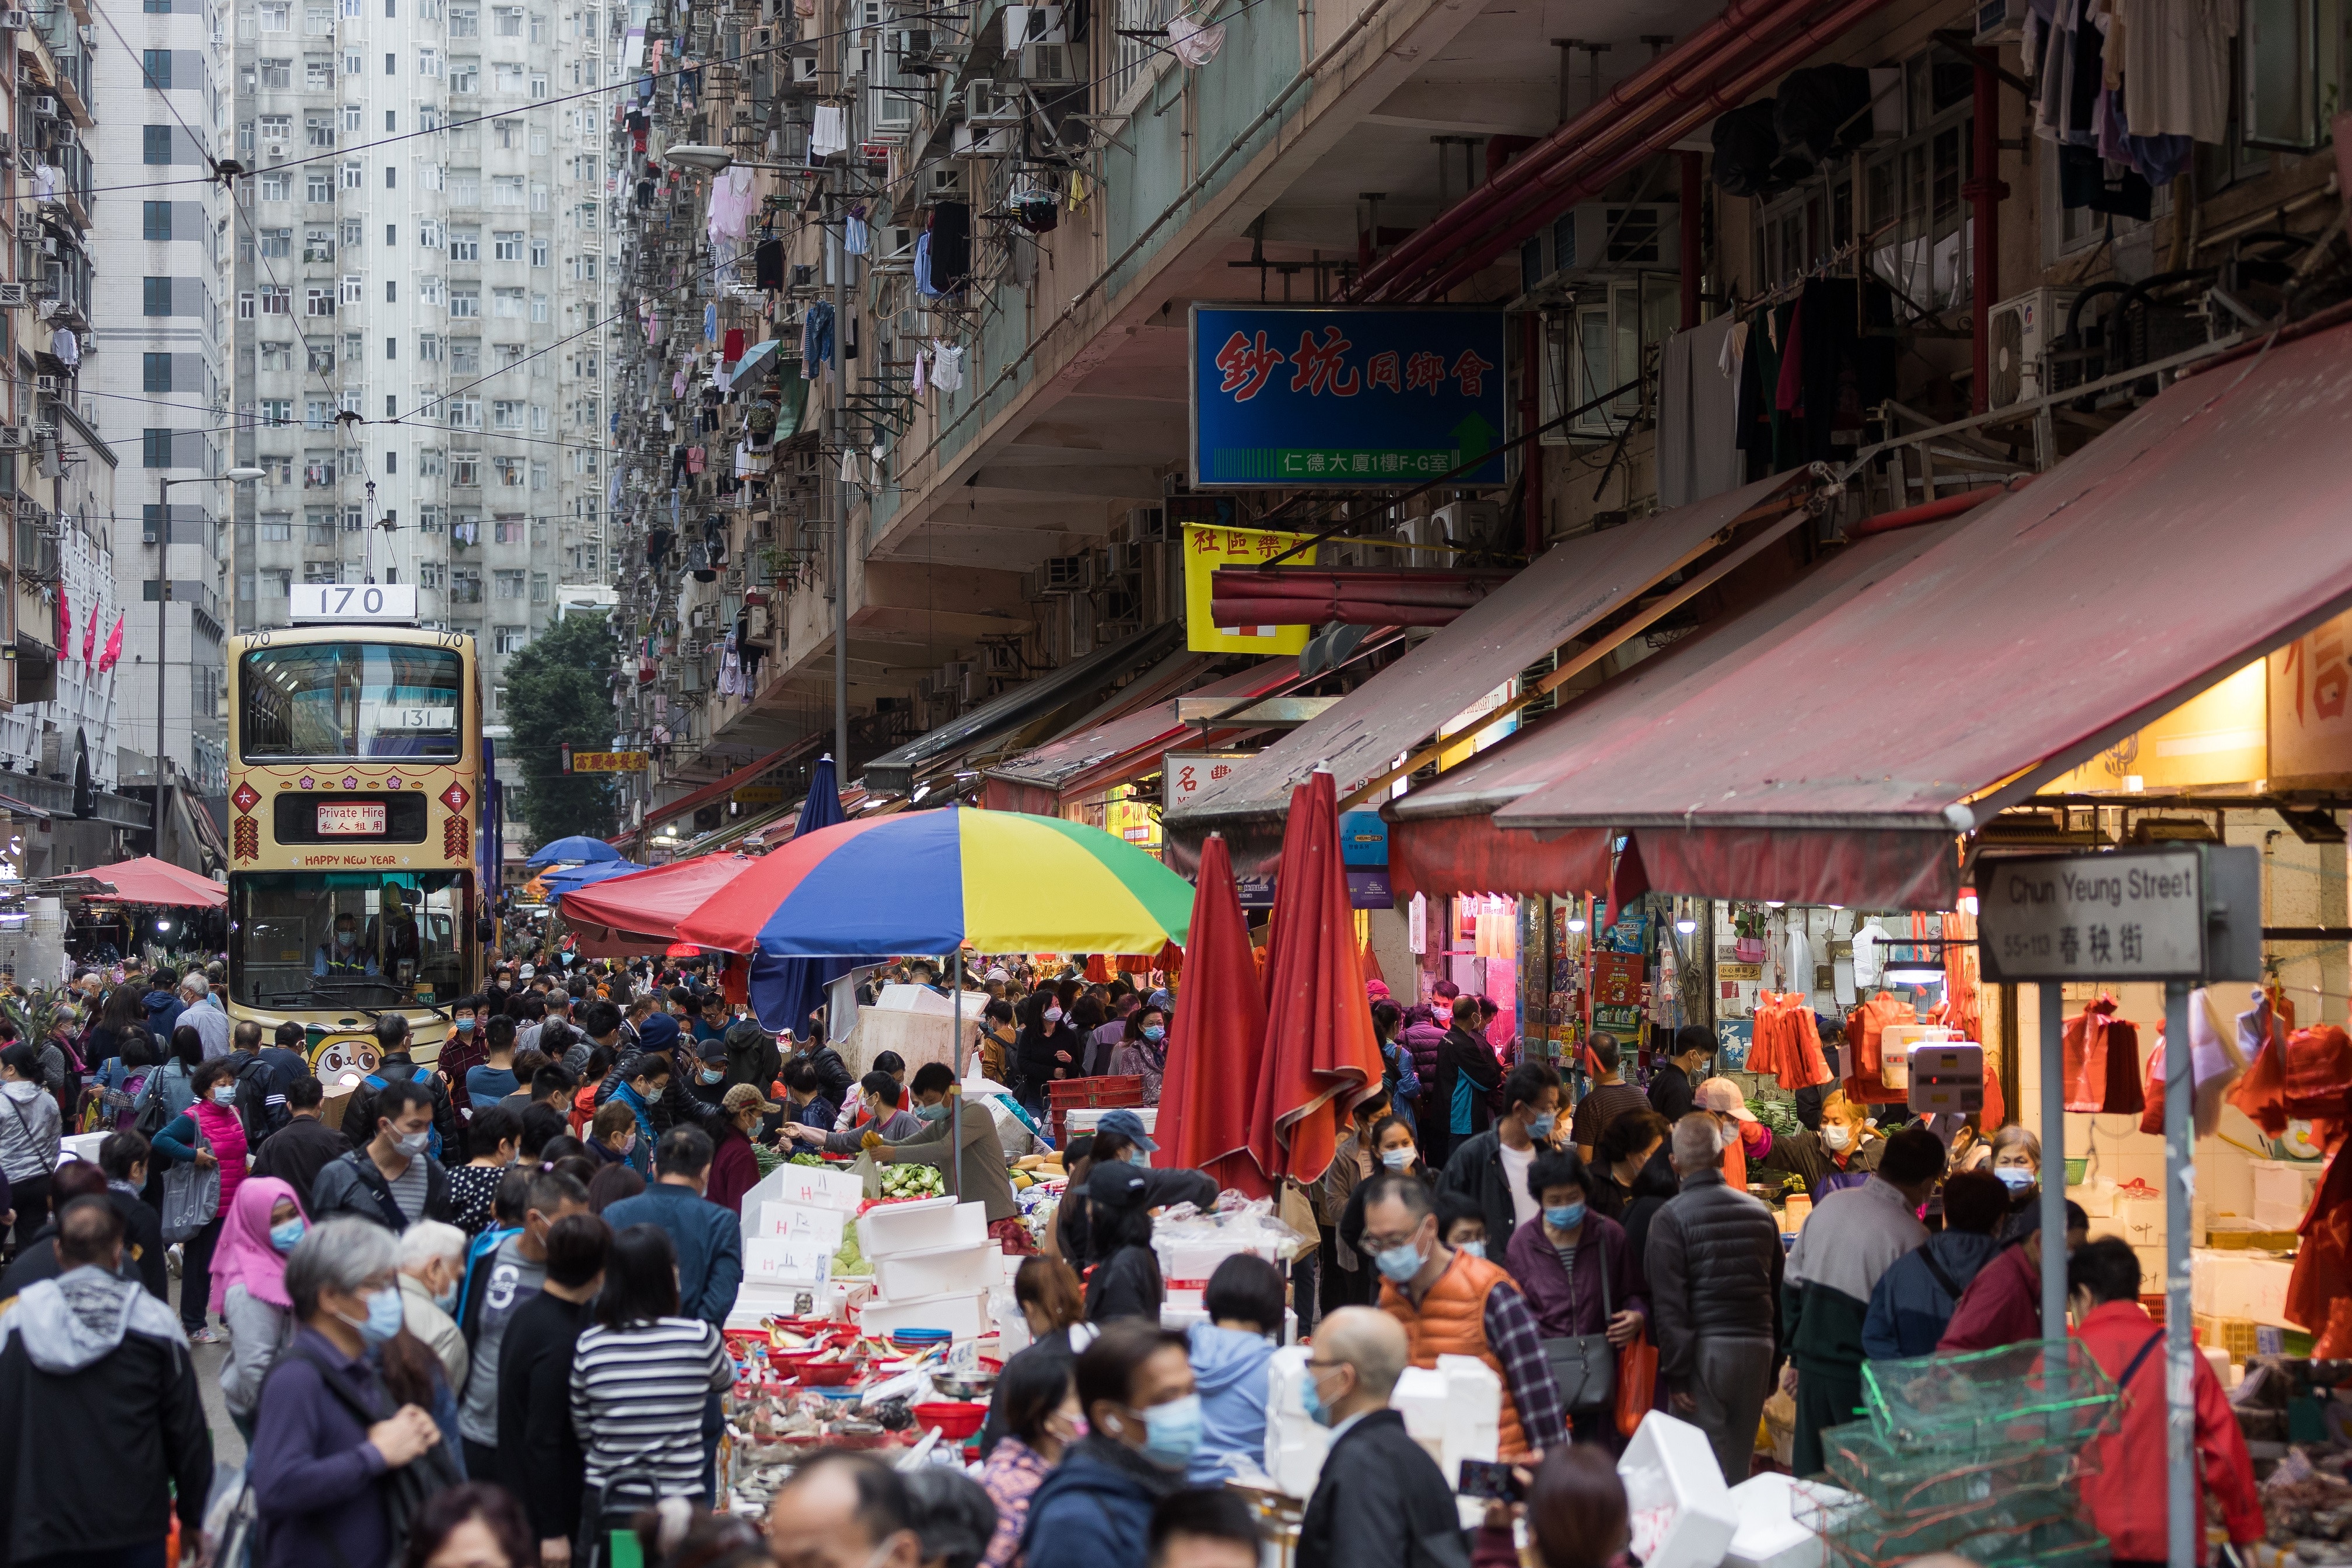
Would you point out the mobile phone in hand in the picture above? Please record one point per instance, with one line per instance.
(1491, 1479)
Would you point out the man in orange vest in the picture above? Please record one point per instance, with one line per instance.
(1454, 1304)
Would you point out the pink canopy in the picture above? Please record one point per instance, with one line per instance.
(147, 881)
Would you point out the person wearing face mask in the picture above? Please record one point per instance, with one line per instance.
(734, 1170)
(331, 1426)
(979, 1173)
(1380, 1500)
(1468, 1073)
(264, 1223)
(1491, 1167)
(1047, 1049)
(1626, 1149)
(492, 1137)
(396, 1063)
(500, 1282)
(1853, 1238)
(1461, 1224)
(1119, 1140)
(1452, 1303)
(1578, 1275)
(1142, 1051)
(1229, 1352)
(879, 1095)
(614, 1136)
(1039, 1401)
(1392, 1149)
(341, 955)
(540, 1457)
(1915, 1298)
(1400, 1073)
(432, 1267)
(392, 1179)
(208, 1135)
(2016, 1163)
(1340, 1272)
(1143, 1427)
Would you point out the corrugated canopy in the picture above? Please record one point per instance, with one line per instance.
(1060, 764)
(2206, 529)
(1568, 590)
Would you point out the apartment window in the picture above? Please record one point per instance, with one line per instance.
(277, 16)
(277, 470)
(465, 356)
(428, 63)
(277, 580)
(510, 355)
(466, 585)
(277, 244)
(318, 127)
(465, 245)
(355, 175)
(511, 475)
(513, 639)
(277, 356)
(319, 414)
(506, 190)
(354, 518)
(507, 244)
(319, 525)
(465, 304)
(277, 527)
(506, 78)
(537, 254)
(508, 584)
(429, 290)
(155, 144)
(353, 284)
(539, 198)
(465, 414)
(156, 296)
(156, 220)
(538, 308)
(354, 62)
(506, 304)
(277, 186)
(465, 468)
(276, 411)
(429, 573)
(318, 470)
(320, 571)
(319, 72)
(432, 463)
(583, 269)
(319, 301)
(465, 22)
(156, 65)
(538, 471)
(319, 187)
(538, 588)
(155, 372)
(319, 20)
(277, 73)
(355, 233)
(154, 448)
(538, 87)
(506, 414)
(465, 187)
(507, 21)
(429, 348)
(319, 243)
(276, 299)
(464, 75)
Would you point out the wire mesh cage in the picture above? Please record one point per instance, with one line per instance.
(2017, 1396)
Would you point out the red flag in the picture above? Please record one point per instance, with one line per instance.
(113, 646)
(90, 637)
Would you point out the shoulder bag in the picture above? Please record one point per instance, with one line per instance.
(154, 1114)
(1585, 1365)
(190, 1195)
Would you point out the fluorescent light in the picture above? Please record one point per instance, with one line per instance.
(1776, 903)
(1915, 976)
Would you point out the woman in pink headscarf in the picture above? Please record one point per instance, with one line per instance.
(264, 1221)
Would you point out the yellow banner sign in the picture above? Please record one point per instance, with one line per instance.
(1208, 547)
(758, 795)
(609, 762)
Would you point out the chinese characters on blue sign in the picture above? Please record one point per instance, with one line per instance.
(1302, 396)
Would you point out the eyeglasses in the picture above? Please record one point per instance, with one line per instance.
(1385, 1243)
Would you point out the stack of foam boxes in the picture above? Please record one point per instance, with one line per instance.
(934, 1266)
(793, 1225)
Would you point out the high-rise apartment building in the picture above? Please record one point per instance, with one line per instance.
(420, 305)
(155, 382)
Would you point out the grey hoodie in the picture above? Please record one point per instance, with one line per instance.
(68, 1322)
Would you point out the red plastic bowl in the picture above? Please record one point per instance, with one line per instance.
(955, 1418)
(830, 1374)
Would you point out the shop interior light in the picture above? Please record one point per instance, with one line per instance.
(163, 925)
(1576, 923)
(1915, 976)
(1776, 903)
(1686, 925)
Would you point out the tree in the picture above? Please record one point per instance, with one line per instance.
(559, 694)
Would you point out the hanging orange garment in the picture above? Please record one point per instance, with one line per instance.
(2318, 1072)
(2103, 1061)
(1864, 1025)
(1735, 1165)
(1788, 1044)
(2323, 1263)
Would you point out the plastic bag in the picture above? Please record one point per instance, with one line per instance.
(1183, 1235)
(191, 1200)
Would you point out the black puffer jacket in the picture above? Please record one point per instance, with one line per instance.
(1714, 1262)
(1653, 1185)
(1033, 1059)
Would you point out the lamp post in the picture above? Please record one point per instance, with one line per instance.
(162, 623)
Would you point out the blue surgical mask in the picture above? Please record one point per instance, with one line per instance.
(712, 1075)
(465, 1025)
(1172, 1431)
(283, 1236)
(1475, 1248)
(932, 1113)
(1540, 1126)
(447, 1299)
(1311, 1398)
(2016, 1178)
(1397, 1159)
(1138, 1156)
(1399, 1263)
(1566, 1216)
(384, 1316)
(1154, 1033)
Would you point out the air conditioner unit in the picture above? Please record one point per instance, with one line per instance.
(45, 106)
(1048, 63)
(16, 21)
(13, 294)
(1147, 525)
(895, 248)
(983, 141)
(43, 381)
(992, 103)
(1033, 24)
(1062, 574)
(805, 70)
(2022, 329)
(2000, 21)
(910, 43)
(943, 182)
(1616, 234)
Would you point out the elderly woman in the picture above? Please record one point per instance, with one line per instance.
(334, 1437)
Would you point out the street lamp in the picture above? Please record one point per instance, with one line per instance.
(711, 159)
(163, 601)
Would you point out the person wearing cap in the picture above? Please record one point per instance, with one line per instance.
(2002, 1305)
(1745, 1139)
(1119, 1140)
(979, 1176)
(1126, 1280)
(734, 1170)
(1851, 1242)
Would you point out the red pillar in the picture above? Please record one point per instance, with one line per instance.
(1692, 197)
(1985, 193)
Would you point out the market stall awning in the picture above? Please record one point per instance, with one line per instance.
(1080, 681)
(1443, 837)
(147, 881)
(1569, 591)
(639, 912)
(1124, 747)
(2205, 530)
(686, 804)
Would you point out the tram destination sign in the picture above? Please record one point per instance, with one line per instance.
(2186, 911)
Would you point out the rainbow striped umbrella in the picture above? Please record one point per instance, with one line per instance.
(929, 881)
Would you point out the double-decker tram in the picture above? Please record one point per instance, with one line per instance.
(357, 771)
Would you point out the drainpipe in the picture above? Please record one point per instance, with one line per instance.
(1531, 416)
(1690, 237)
(1984, 192)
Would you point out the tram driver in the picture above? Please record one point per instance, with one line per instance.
(342, 954)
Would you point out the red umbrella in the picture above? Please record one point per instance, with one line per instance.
(1204, 1098)
(1320, 1056)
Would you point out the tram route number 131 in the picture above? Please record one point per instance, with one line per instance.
(311, 602)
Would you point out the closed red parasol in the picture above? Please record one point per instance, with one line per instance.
(1212, 1042)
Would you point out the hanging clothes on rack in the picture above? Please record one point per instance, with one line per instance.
(2103, 1061)
(1787, 1042)
(1698, 415)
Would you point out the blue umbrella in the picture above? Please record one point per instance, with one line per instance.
(578, 847)
(785, 991)
(572, 878)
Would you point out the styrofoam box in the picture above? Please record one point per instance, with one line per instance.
(1682, 1513)
(963, 1314)
(2282, 1191)
(754, 1301)
(1085, 1118)
(82, 1145)
(794, 1262)
(939, 1272)
(925, 1225)
(1177, 1316)
(1776, 1521)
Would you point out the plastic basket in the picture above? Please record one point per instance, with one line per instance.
(1900, 1484)
(2077, 1167)
(2012, 1398)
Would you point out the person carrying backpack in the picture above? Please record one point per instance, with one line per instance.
(260, 1088)
(394, 1064)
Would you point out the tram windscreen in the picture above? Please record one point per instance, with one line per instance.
(311, 701)
(321, 938)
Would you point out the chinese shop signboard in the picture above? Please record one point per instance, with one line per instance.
(1208, 547)
(1305, 397)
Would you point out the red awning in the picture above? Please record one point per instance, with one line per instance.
(719, 790)
(1311, 595)
(1571, 588)
(639, 912)
(1470, 855)
(2204, 530)
(147, 881)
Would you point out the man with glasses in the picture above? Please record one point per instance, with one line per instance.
(1381, 1499)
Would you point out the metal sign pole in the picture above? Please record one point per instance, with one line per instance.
(2183, 1525)
(2053, 1165)
(955, 1111)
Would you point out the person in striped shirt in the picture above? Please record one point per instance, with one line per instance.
(640, 1379)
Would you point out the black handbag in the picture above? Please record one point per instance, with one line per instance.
(1585, 1365)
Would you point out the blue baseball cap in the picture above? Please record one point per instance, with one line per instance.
(1129, 1125)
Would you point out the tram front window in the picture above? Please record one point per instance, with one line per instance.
(328, 938)
(350, 699)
